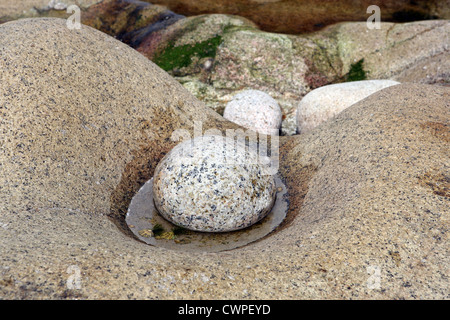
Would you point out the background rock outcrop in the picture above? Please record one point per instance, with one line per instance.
(215, 56)
(295, 16)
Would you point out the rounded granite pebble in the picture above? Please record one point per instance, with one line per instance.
(255, 110)
(203, 184)
(325, 102)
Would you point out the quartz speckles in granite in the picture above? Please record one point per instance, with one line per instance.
(212, 184)
(255, 110)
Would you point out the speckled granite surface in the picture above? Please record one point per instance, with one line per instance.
(255, 110)
(84, 120)
(212, 183)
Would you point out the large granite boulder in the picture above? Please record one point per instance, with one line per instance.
(84, 121)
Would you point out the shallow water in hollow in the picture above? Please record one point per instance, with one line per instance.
(150, 227)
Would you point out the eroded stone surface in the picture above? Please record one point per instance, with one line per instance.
(212, 184)
(287, 67)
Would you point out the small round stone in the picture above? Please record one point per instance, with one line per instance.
(213, 184)
(255, 110)
(325, 102)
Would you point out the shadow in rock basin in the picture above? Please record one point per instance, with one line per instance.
(149, 226)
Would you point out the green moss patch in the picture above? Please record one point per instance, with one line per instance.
(357, 72)
(181, 56)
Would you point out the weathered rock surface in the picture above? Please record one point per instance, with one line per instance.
(136, 23)
(82, 131)
(229, 55)
(294, 16)
(326, 102)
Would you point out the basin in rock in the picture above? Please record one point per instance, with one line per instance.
(212, 184)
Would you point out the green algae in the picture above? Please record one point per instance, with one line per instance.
(176, 57)
(158, 229)
(357, 72)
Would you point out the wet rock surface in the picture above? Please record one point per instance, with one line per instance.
(147, 224)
